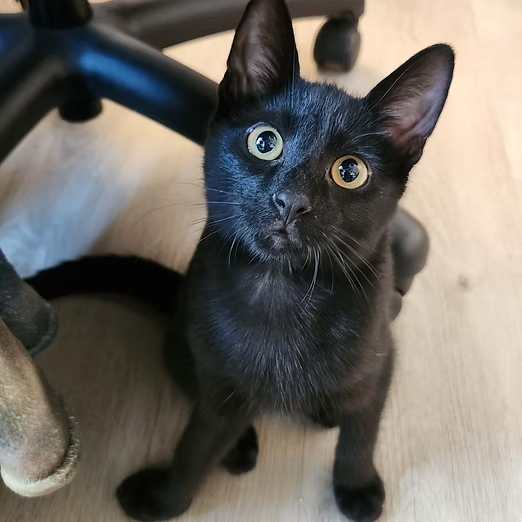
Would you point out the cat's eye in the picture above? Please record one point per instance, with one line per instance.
(265, 142)
(350, 172)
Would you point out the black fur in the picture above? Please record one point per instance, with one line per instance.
(292, 315)
(141, 279)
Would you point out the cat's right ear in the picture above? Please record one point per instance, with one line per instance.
(263, 59)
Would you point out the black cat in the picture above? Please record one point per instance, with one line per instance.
(286, 305)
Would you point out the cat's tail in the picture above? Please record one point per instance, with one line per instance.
(141, 279)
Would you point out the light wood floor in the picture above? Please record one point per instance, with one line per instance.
(451, 442)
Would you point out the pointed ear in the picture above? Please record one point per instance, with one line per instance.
(263, 58)
(412, 98)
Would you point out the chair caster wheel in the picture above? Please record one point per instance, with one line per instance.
(337, 45)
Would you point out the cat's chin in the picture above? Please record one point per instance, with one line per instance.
(279, 250)
(281, 242)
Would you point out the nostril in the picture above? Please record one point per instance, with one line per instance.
(290, 205)
(279, 201)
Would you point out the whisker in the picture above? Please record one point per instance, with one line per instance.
(198, 185)
(207, 222)
(198, 204)
(224, 219)
(311, 288)
(231, 248)
(195, 222)
(183, 204)
(371, 134)
(241, 238)
(332, 271)
(289, 261)
(225, 240)
(362, 259)
(358, 281)
(338, 254)
(354, 263)
(307, 262)
(341, 265)
(203, 187)
(208, 235)
(219, 191)
(219, 203)
(314, 281)
(351, 238)
(153, 211)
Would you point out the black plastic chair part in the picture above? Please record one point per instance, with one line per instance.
(71, 54)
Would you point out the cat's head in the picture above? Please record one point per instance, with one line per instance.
(296, 169)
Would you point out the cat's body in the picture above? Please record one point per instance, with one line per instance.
(249, 338)
(286, 306)
(287, 303)
(292, 328)
(284, 341)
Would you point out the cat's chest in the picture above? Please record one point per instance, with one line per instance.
(274, 296)
(269, 301)
(285, 341)
(274, 325)
(286, 354)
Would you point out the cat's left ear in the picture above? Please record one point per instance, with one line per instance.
(412, 98)
(263, 59)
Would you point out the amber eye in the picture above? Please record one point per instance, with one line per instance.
(265, 143)
(350, 172)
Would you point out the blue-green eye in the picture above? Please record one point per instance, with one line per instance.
(265, 143)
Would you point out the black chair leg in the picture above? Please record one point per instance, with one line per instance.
(162, 23)
(31, 86)
(123, 69)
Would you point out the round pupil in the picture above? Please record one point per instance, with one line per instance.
(349, 170)
(266, 142)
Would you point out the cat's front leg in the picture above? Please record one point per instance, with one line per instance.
(358, 488)
(165, 493)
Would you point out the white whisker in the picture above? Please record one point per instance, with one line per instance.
(311, 288)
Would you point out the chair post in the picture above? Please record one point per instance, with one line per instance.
(58, 14)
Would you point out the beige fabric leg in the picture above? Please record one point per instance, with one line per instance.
(39, 446)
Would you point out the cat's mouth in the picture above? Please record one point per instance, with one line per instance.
(282, 240)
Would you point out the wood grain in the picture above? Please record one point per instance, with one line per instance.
(451, 444)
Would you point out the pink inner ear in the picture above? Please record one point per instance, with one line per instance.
(263, 58)
(256, 61)
(412, 98)
(415, 113)
(407, 122)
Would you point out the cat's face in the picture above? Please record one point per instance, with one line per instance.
(296, 170)
(300, 169)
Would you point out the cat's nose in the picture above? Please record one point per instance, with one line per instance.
(291, 205)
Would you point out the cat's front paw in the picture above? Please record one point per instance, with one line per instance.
(150, 495)
(363, 503)
(242, 458)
